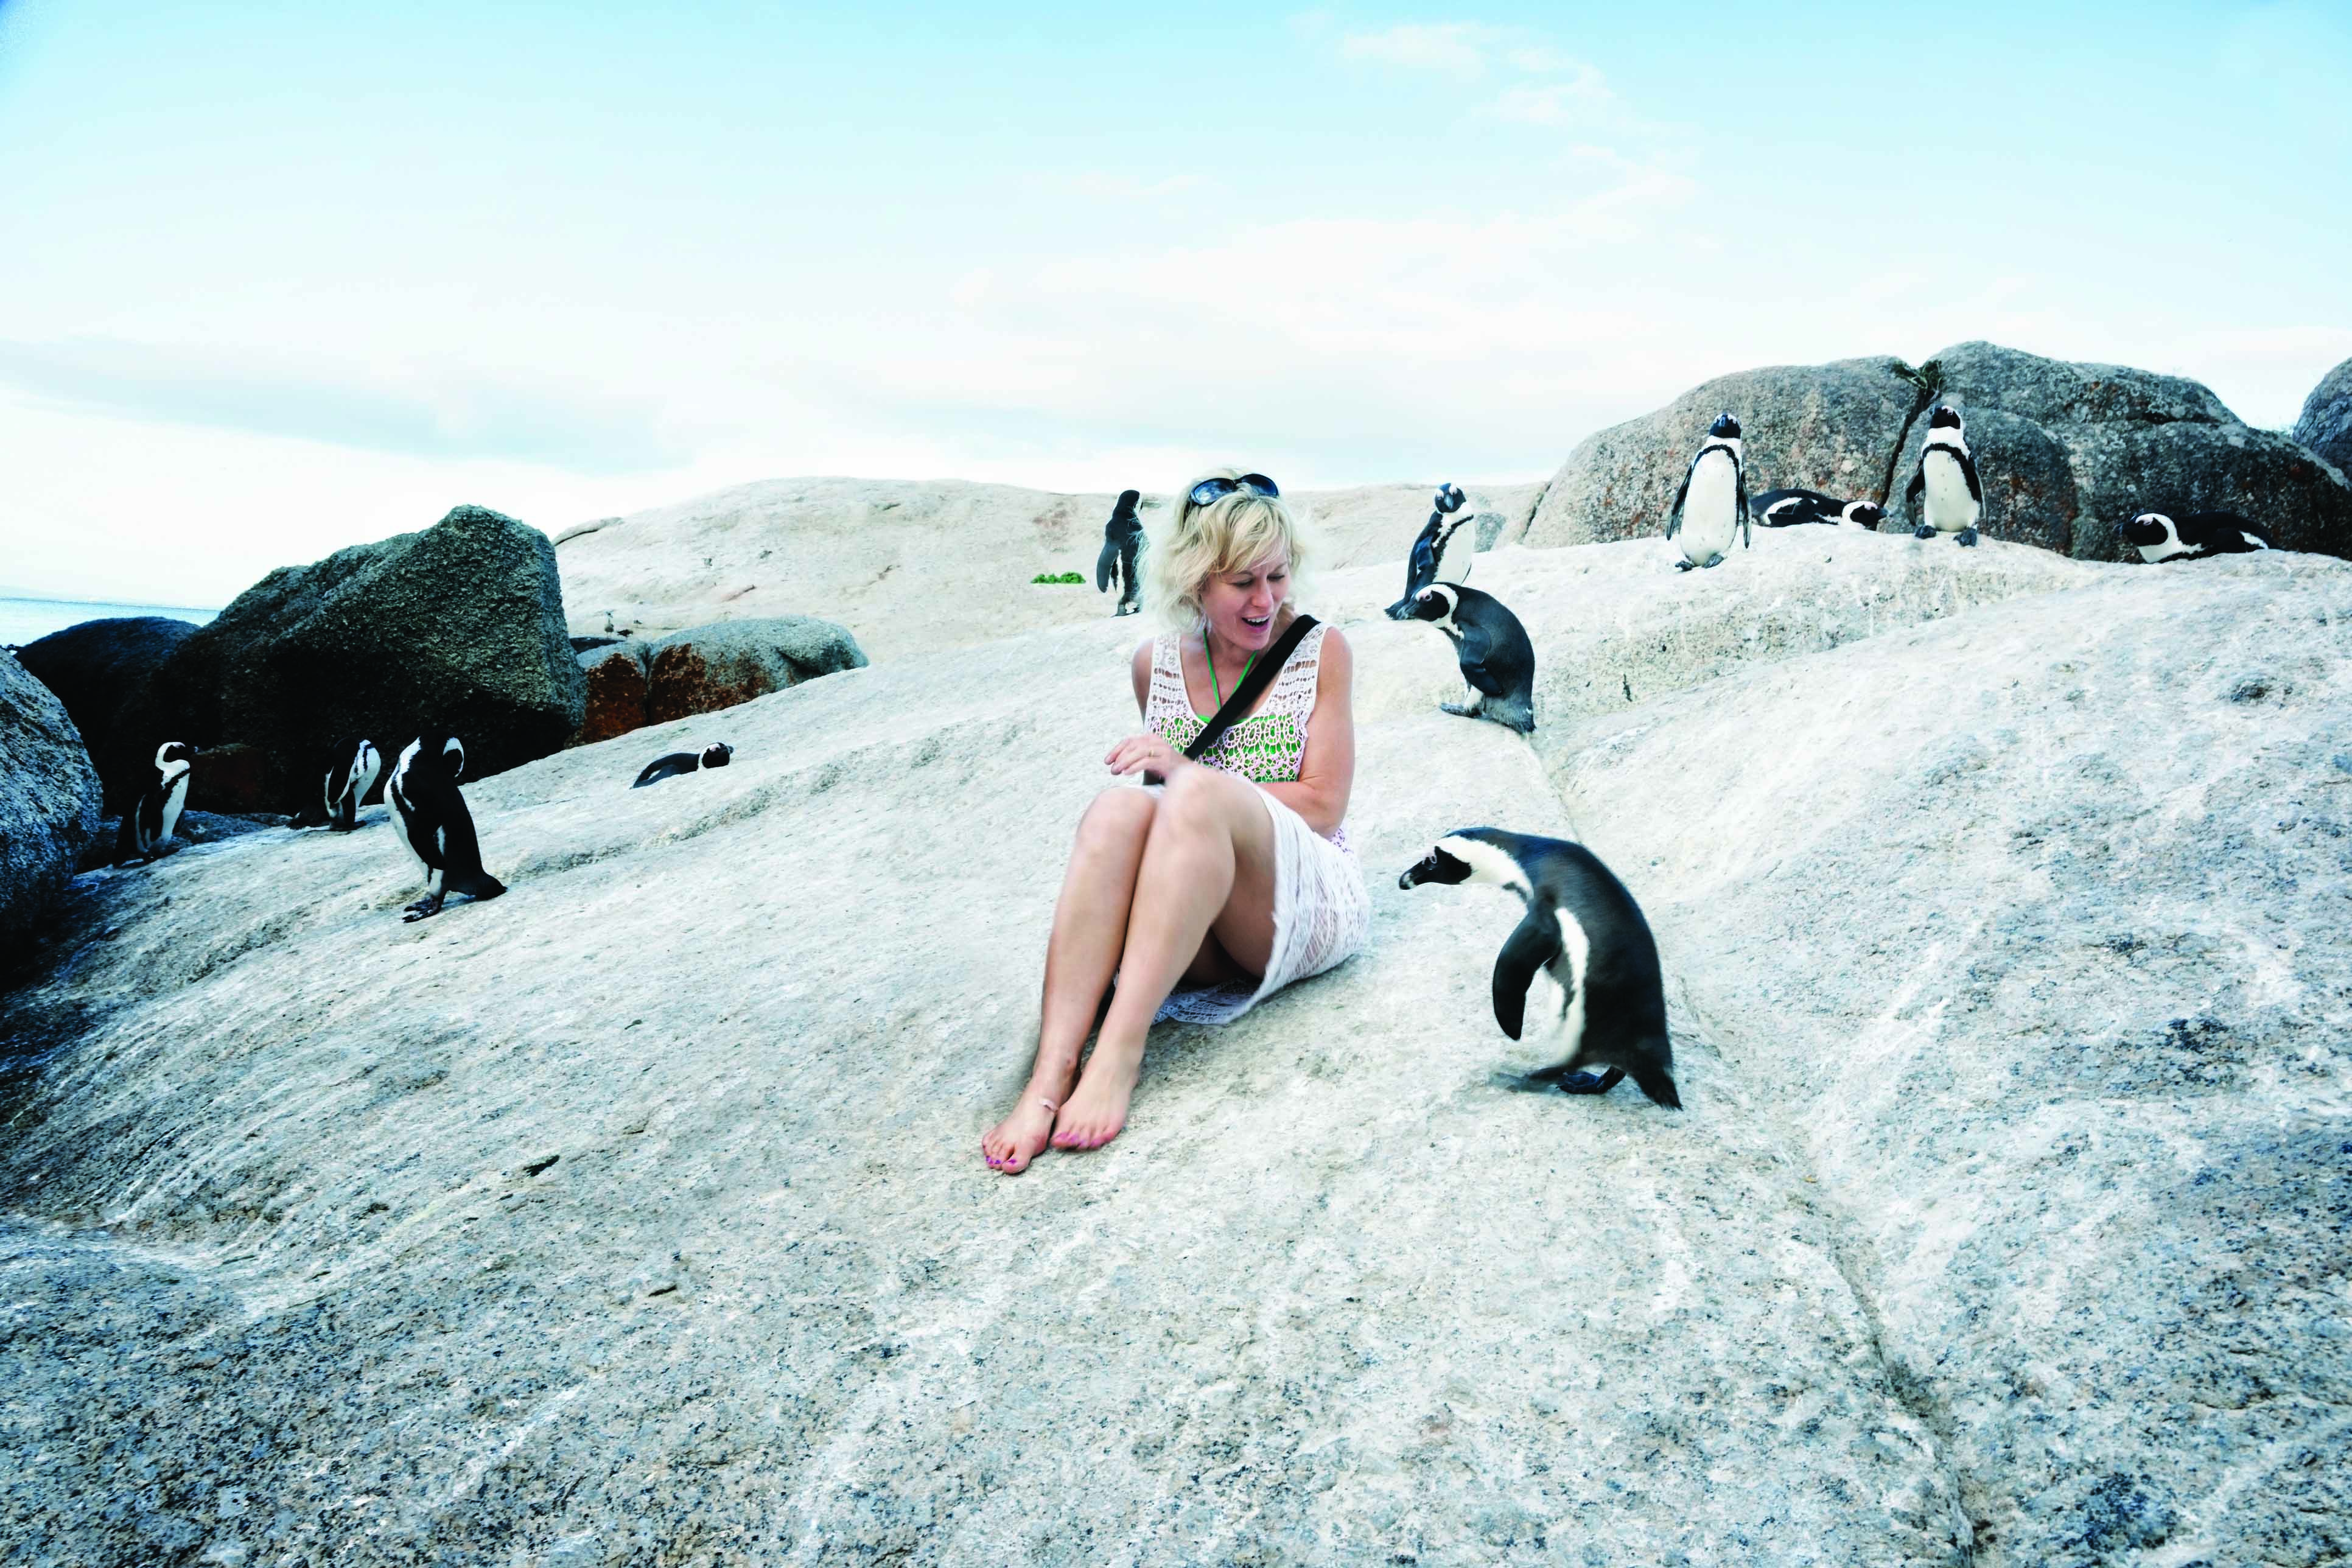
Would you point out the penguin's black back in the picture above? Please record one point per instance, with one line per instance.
(670, 766)
(1811, 506)
(2220, 533)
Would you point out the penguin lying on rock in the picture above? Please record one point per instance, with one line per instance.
(148, 826)
(430, 816)
(2163, 536)
(1421, 563)
(1783, 509)
(677, 762)
(1712, 505)
(1947, 475)
(1122, 542)
(1584, 930)
(1497, 659)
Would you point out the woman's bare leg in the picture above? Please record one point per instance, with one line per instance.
(1208, 866)
(1089, 927)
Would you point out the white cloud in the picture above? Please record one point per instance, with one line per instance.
(1583, 99)
(1457, 47)
(1115, 187)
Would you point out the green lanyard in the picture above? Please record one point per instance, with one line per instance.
(1211, 660)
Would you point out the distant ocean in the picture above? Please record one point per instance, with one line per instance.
(28, 620)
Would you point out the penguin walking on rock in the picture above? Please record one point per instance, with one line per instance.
(430, 816)
(677, 762)
(1786, 507)
(1421, 563)
(352, 769)
(2164, 536)
(1583, 931)
(1122, 542)
(1946, 477)
(1712, 505)
(151, 820)
(1497, 661)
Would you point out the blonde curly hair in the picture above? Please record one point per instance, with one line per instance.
(1230, 533)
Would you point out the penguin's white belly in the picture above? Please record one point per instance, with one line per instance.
(1950, 507)
(1710, 511)
(174, 798)
(1577, 949)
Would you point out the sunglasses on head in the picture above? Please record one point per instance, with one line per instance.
(1207, 492)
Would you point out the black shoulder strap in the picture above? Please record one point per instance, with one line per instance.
(1246, 695)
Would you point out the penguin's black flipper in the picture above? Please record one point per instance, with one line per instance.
(1739, 489)
(1918, 482)
(1674, 512)
(1472, 647)
(1107, 566)
(1534, 944)
(1976, 485)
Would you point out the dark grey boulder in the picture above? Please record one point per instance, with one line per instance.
(1828, 428)
(48, 802)
(709, 668)
(97, 667)
(458, 627)
(2067, 452)
(2325, 427)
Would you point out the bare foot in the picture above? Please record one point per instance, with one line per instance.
(1013, 1142)
(1098, 1108)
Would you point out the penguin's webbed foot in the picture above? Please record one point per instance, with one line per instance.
(1925, 530)
(1684, 565)
(423, 908)
(1592, 1083)
(1966, 536)
(1459, 709)
(1560, 1079)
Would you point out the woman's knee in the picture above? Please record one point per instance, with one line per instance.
(1202, 796)
(1118, 817)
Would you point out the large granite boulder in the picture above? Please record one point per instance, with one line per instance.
(458, 627)
(48, 806)
(615, 671)
(2066, 451)
(639, 1215)
(2325, 427)
(96, 668)
(719, 665)
(1827, 427)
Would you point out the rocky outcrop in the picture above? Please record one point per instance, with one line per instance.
(97, 669)
(909, 567)
(615, 671)
(459, 626)
(2066, 451)
(2325, 427)
(715, 666)
(48, 808)
(2004, 1224)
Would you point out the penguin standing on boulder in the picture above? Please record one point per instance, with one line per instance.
(1712, 505)
(352, 772)
(677, 762)
(1584, 930)
(1122, 542)
(430, 816)
(1421, 563)
(2162, 536)
(1946, 474)
(1783, 509)
(1497, 659)
(150, 823)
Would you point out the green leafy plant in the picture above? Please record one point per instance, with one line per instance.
(1059, 578)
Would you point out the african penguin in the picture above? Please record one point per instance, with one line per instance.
(677, 762)
(1584, 930)
(430, 816)
(352, 772)
(1123, 540)
(1712, 505)
(1497, 659)
(1949, 476)
(1422, 561)
(2161, 536)
(150, 823)
(1782, 509)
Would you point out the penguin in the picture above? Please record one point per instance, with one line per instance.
(150, 823)
(1712, 505)
(677, 762)
(1949, 476)
(1421, 563)
(430, 816)
(352, 772)
(1782, 509)
(1123, 540)
(1497, 659)
(1583, 929)
(2161, 536)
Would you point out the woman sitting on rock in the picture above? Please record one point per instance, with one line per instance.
(1208, 895)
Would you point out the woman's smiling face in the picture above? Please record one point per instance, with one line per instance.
(1240, 605)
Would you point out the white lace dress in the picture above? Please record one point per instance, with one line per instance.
(1322, 912)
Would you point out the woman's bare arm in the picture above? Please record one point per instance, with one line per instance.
(1142, 670)
(1326, 772)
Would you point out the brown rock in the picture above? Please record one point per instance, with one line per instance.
(617, 686)
(714, 667)
(234, 778)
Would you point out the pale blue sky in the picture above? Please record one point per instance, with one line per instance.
(274, 278)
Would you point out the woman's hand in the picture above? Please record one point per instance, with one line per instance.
(1148, 752)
